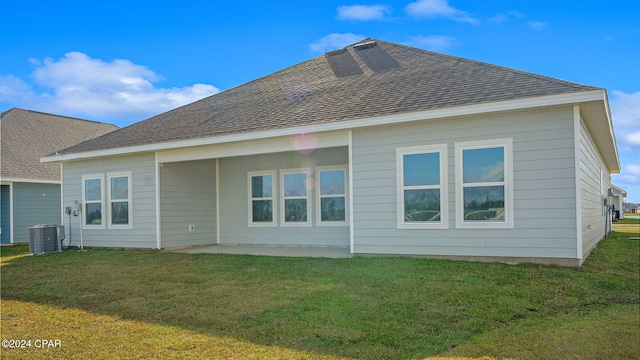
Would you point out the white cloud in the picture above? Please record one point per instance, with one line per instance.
(625, 108)
(78, 85)
(363, 12)
(633, 169)
(438, 8)
(625, 112)
(438, 43)
(508, 16)
(537, 25)
(334, 41)
(630, 175)
(13, 89)
(632, 138)
(499, 19)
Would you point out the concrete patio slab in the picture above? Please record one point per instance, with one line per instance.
(270, 250)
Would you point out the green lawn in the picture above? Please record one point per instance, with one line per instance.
(635, 221)
(110, 304)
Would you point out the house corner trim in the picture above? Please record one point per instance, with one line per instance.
(578, 187)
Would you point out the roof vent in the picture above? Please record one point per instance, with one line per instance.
(335, 52)
(375, 57)
(365, 45)
(342, 63)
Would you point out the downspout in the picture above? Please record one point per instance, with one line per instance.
(578, 182)
(11, 217)
(351, 222)
(62, 194)
(609, 212)
(158, 228)
(217, 200)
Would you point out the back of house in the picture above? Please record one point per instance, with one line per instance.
(376, 148)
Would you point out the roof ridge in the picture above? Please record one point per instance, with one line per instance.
(482, 63)
(60, 116)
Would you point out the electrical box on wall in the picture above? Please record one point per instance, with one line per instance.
(192, 228)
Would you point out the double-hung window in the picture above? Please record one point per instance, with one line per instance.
(261, 199)
(484, 190)
(92, 201)
(422, 187)
(331, 204)
(119, 199)
(295, 210)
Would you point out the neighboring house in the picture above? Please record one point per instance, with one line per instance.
(30, 190)
(617, 201)
(379, 148)
(631, 208)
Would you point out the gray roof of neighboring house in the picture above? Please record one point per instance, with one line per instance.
(360, 81)
(26, 136)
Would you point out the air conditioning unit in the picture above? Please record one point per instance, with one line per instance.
(44, 239)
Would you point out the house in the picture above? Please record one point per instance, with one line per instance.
(631, 208)
(30, 190)
(617, 200)
(376, 148)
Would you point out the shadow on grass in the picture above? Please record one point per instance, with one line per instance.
(360, 308)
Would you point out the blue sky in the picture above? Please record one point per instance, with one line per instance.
(124, 61)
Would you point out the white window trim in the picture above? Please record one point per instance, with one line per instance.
(84, 201)
(307, 197)
(110, 176)
(508, 223)
(273, 198)
(441, 149)
(319, 196)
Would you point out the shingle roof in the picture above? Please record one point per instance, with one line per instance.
(26, 136)
(360, 81)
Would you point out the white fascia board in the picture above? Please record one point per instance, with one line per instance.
(35, 181)
(611, 132)
(550, 100)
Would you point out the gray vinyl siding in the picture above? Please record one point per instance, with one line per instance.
(187, 197)
(33, 204)
(142, 168)
(594, 184)
(234, 209)
(5, 214)
(543, 187)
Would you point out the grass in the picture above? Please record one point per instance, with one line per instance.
(629, 221)
(148, 304)
(630, 226)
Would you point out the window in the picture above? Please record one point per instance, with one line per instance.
(484, 184)
(332, 195)
(422, 187)
(295, 198)
(119, 199)
(261, 206)
(92, 201)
